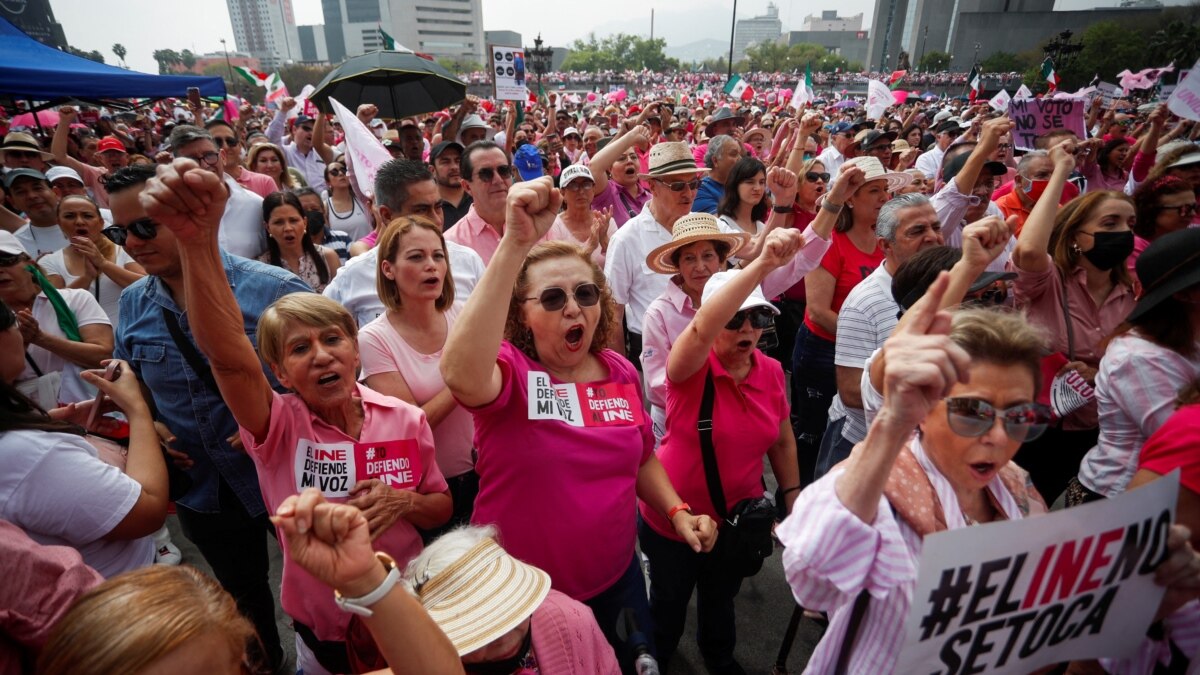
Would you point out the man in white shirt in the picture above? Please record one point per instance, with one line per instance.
(242, 232)
(841, 147)
(31, 195)
(300, 153)
(930, 161)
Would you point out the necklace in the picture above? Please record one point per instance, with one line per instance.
(353, 208)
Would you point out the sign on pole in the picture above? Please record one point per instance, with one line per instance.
(508, 73)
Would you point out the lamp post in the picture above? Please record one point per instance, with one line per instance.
(1061, 50)
(924, 41)
(976, 61)
(541, 57)
(732, 31)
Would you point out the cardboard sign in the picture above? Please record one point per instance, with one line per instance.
(1000, 101)
(610, 404)
(334, 468)
(508, 73)
(1014, 596)
(1185, 98)
(1038, 116)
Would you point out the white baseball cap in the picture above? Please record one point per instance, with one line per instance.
(573, 173)
(63, 172)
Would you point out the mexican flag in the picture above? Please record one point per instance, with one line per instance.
(254, 77)
(804, 89)
(975, 83)
(1049, 75)
(389, 42)
(739, 88)
(894, 79)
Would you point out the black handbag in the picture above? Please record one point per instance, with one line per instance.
(744, 541)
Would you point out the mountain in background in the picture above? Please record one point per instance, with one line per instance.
(695, 52)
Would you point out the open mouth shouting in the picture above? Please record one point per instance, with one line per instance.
(328, 379)
(431, 283)
(984, 471)
(574, 337)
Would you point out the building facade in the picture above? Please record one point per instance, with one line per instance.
(441, 28)
(504, 38)
(765, 28)
(265, 29)
(36, 19)
(829, 21)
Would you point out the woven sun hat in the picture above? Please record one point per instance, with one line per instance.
(670, 159)
(873, 170)
(690, 229)
(483, 595)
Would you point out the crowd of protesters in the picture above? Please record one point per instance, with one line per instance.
(551, 347)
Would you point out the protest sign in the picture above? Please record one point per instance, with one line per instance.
(1000, 101)
(1023, 92)
(1185, 99)
(508, 73)
(363, 151)
(1038, 116)
(879, 98)
(1011, 597)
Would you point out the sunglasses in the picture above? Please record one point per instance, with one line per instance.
(554, 298)
(991, 297)
(972, 418)
(227, 141)
(210, 158)
(337, 172)
(680, 185)
(813, 176)
(760, 317)
(9, 259)
(1184, 210)
(143, 228)
(22, 154)
(486, 175)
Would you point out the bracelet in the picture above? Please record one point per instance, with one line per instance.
(361, 605)
(782, 210)
(682, 506)
(787, 490)
(831, 207)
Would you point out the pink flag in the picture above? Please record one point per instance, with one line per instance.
(365, 153)
(900, 96)
(231, 108)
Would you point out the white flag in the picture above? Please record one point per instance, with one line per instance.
(879, 98)
(1185, 100)
(1023, 92)
(364, 152)
(1000, 101)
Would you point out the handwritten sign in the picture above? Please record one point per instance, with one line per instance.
(1038, 116)
(1185, 99)
(508, 73)
(1014, 596)
(609, 404)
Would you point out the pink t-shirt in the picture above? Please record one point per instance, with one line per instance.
(746, 419)
(560, 232)
(383, 350)
(558, 466)
(301, 451)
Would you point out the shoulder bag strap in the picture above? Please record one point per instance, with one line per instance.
(704, 425)
(33, 364)
(625, 201)
(1067, 319)
(856, 617)
(190, 354)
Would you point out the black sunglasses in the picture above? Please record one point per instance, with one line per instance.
(337, 172)
(210, 158)
(9, 259)
(813, 176)
(486, 175)
(760, 317)
(228, 142)
(554, 298)
(143, 228)
(680, 185)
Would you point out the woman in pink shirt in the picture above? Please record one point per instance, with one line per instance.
(565, 448)
(402, 349)
(353, 444)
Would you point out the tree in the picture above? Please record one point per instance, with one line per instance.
(801, 54)
(1005, 62)
(619, 52)
(91, 56)
(120, 51)
(935, 62)
(188, 59)
(1108, 48)
(1177, 41)
(295, 76)
(167, 59)
(459, 66)
(768, 57)
(831, 63)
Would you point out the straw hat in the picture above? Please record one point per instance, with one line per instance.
(757, 131)
(670, 159)
(690, 229)
(483, 595)
(873, 170)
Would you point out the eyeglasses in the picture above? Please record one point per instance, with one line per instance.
(760, 317)
(210, 158)
(1003, 146)
(990, 297)
(554, 298)
(680, 185)
(487, 174)
(21, 154)
(580, 186)
(1184, 210)
(227, 141)
(972, 418)
(9, 259)
(143, 228)
(814, 176)
(337, 172)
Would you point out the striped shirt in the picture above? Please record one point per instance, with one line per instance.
(866, 320)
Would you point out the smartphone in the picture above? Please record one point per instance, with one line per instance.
(193, 96)
(111, 372)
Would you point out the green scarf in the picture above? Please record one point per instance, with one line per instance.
(66, 318)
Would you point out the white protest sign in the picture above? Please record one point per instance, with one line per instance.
(1038, 116)
(1000, 101)
(1013, 596)
(365, 152)
(1023, 92)
(1185, 99)
(508, 73)
(879, 98)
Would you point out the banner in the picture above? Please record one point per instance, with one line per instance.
(1038, 116)
(1000, 101)
(1014, 596)
(363, 151)
(508, 73)
(1185, 99)
(1023, 92)
(879, 98)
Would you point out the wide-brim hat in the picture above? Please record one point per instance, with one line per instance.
(483, 595)
(722, 115)
(1169, 265)
(757, 131)
(19, 140)
(690, 229)
(672, 158)
(873, 170)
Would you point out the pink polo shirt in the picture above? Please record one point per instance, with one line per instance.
(746, 419)
(301, 450)
(475, 233)
(558, 466)
(260, 184)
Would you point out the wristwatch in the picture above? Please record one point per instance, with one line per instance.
(362, 604)
(831, 207)
(782, 209)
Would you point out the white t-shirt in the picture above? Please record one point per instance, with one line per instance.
(242, 231)
(107, 293)
(354, 222)
(38, 241)
(87, 312)
(55, 487)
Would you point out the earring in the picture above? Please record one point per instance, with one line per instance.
(1075, 249)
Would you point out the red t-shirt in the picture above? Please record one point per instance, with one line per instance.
(1173, 446)
(849, 266)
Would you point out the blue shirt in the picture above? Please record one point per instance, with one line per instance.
(708, 196)
(197, 416)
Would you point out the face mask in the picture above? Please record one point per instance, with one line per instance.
(1034, 188)
(1110, 249)
(316, 222)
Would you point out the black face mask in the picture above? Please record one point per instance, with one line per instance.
(1109, 249)
(506, 666)
(316, 222)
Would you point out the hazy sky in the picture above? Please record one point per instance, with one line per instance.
(146, 25)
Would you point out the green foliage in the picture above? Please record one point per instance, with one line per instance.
(120, 51)
(1177, 41)
(91, 56)
(831, 62)
(1005, 62)
(619, 52)
(1108, 48)
(934, 62)
(188, 59)
(297, 75)
(459, 65)
(167, 59)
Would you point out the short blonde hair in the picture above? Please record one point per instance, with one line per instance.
(1002, 337)
(387, 247)
(134, 619)
(309, 309)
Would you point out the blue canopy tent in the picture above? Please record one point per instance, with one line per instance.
(34, 72)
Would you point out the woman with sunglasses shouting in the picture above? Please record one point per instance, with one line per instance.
(958, 401)
(716, 372)
(564, 444)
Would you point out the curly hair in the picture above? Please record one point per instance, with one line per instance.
(1146, 202)
(515, 329)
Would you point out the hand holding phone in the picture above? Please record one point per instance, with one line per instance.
(193, 96)
(111, 372)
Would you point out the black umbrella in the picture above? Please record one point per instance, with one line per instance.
(400, 84)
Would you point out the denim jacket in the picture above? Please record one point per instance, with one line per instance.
(197, 416)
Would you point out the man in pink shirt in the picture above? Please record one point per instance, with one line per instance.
(225, 138)
(486, 176)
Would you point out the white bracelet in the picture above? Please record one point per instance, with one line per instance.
(361, 605)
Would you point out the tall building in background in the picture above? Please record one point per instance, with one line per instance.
(442, 28)
(841, 35)
(766, 28)
(36, 19)
(265, 29)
